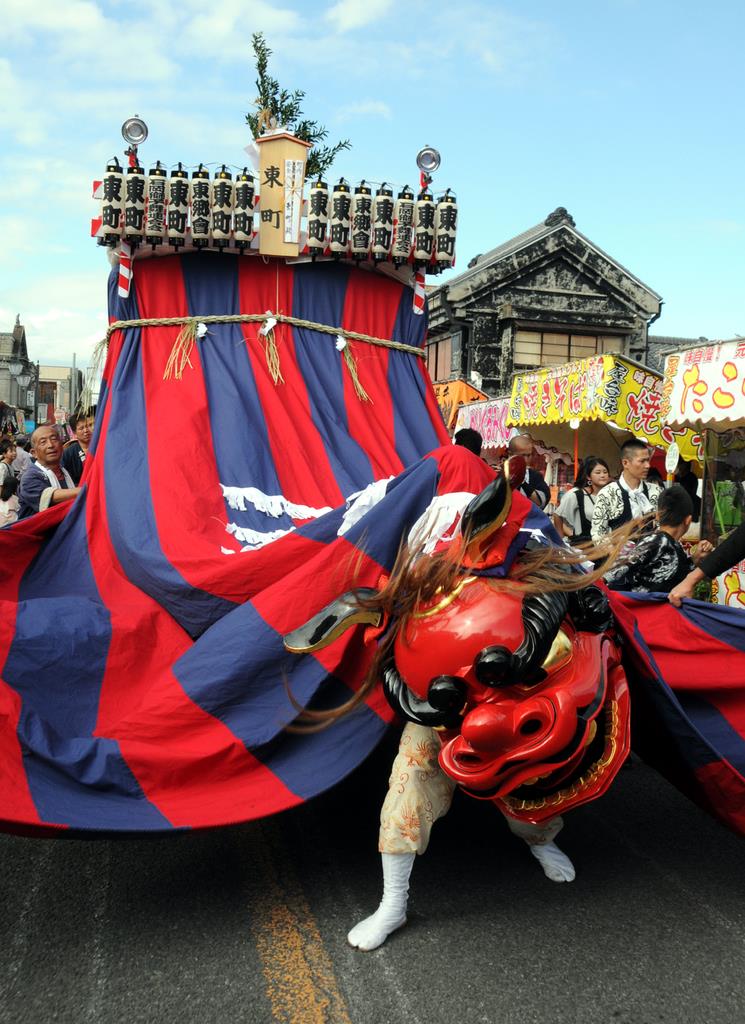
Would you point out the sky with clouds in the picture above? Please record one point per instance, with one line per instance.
(627, 112)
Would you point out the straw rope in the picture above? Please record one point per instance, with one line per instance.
(238, 318)
(180, 355)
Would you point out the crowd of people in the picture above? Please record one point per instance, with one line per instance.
(598, 504)
(44, 469)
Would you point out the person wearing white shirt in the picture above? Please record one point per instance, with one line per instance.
(630, 497)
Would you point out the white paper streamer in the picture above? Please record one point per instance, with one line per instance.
(360, 503)
(273, 505)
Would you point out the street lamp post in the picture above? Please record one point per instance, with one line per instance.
(14, 368)
(36, 396)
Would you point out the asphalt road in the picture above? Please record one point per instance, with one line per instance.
(248, 924)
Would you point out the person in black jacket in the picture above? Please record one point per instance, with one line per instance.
(729, 553)
(659, 562)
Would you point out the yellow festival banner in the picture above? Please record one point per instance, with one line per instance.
(604, 387)
(705, 387)
(451, 395)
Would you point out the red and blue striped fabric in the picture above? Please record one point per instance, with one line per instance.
(144, 684)
(687, 672)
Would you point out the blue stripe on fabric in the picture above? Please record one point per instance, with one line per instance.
(725, 624)
(56, 663)
(239, 434)
(63, 631)
(129, 503)
(379, 533)
(712, 724)
(310, 763)
(414, 431)
(237, 672)
(318, 295)
(83, 782)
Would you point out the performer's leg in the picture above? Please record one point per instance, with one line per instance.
(540, 839)
(418, 794)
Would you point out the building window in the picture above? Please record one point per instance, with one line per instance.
(444, 356)
(548, 348)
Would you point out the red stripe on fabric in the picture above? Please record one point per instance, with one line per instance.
(431, 404)
(724, 793)
(335, 569)
(16, 803)
(711, 670)
(298, 451)
(187, 499)
(188, 763)
(371, 307)
(19, 545)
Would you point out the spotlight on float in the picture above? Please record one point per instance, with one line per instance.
(428, 160)
(134, 131)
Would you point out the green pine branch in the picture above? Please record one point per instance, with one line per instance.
(286, 108)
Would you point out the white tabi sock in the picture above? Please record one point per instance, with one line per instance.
(391, 914)
(556, 865)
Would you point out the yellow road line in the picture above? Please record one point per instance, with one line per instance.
(300, 981)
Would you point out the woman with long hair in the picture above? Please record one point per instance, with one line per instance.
(573, 516)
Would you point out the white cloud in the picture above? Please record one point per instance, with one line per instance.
(62, 313)
(364, 108)
(347, 15)
(224, 30)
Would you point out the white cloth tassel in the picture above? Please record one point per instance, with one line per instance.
(274, 505)
(360, 503)
(341, 343)
(252, 539)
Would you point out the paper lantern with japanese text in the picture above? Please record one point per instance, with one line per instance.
(446, 222)
(382, 236)
(134, 204)
(222, 207)
(361, 221)
(112, 203)
(243, 206)
(341, 202)
(424, 228)
(318, 216)
(178, 206)
(200, 207)
(155, 208)
(403, 226)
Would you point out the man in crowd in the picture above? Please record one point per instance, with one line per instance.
(533, 485)
(23, 459)
(468, 438)
(629, 497)
(45, 482)
(76, 451)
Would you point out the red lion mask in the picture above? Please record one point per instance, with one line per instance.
(526, 689)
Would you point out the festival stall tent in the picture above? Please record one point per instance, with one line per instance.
(591, 406)
(453, 395)
(704, 389)
(490, 419)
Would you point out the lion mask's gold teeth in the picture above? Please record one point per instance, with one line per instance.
(589, 776)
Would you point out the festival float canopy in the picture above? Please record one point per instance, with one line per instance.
(608, 398)
(704, 387)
